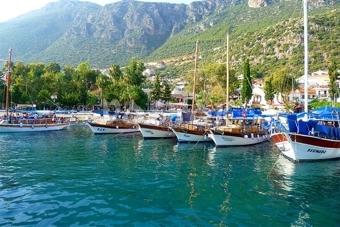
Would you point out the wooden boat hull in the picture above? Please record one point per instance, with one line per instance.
(298, 147)
(237, 139)
(113, 128)
(155, 131)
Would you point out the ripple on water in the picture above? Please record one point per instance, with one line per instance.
(72, 178)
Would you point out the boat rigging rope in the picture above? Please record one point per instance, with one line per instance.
(274, 164)
(48, 99)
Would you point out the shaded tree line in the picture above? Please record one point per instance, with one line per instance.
(49, 86)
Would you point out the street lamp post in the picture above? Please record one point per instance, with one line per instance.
(88, 86)
(205, 91)
(292, 87)
(86, 100)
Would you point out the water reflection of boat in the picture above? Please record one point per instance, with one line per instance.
(186, 147)
(281, 173)
(291, 176)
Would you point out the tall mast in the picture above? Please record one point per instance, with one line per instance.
(195, 75)
(8, 79)
(306, 51)
(227, 79)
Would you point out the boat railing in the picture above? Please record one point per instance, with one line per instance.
(30, 121)
(313, 127)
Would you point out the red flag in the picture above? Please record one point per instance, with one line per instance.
(8, 78)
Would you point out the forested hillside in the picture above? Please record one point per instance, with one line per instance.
(270, 37)
(70, 32)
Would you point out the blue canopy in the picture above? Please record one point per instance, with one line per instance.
(237, 112)
(326, 112)
(249, 112)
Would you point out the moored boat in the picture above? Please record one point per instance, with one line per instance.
(242, 126)
(23, 122)
(312, 140)
(20, 124)
(308, 139)
(192, 130)
(113, 126)
(156, 130)
(244, 131)
(191, 133)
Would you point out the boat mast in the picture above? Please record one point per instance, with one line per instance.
(227, 79)
(227, 83)
(306, 52)
(8, 79)
(195, 75)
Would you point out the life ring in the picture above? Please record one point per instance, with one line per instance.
(243, 113)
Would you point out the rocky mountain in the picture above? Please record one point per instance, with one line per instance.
(69, 32)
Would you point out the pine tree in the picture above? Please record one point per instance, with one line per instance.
(134, 72)
(269, 91)
(247, 89)
(156, 92)
(333, 74)
(166, 93)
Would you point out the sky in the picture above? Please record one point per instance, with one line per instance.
(14, 8)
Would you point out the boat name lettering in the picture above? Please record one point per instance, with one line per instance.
(227, 139)
(149, 131)
(316, 151)
(185, 135)
(101, 129)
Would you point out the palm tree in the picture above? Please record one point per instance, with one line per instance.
(101, 83)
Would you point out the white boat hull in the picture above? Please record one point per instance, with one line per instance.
(184, 137)
(96, 129)
(297, 147)
(7, 128)
(155, 132)
(229, 140)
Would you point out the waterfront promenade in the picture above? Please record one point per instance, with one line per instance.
(80, 116)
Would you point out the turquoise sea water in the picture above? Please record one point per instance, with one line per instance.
(75, 178)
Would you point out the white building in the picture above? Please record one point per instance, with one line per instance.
(318, 86)
(316, 78)
(258, 97)
(149, 72)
